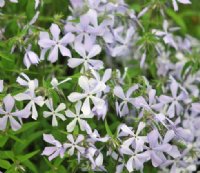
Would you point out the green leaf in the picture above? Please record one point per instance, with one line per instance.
(27, 126)
(179, 21)
(3, 140)
(5, 164)
(109, 132)
(23, 158)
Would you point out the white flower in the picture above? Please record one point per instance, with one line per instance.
(55, 83)
(74, 144)
(166, 34)
(134, 138)
(54, 113)
(86, 57)
(77, 117)
(175, 5)
(88, 94)
(15, 118)
(55, 43)
(1, 85)
(33, 101)
(24, 80)
(30, 58)
(53, 151)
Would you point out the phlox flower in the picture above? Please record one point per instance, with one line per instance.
(88, 94)
(15, 118)
(54, 112)
(55, 43)
(53, 151)
(77, 117)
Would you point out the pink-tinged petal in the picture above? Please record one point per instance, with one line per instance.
(155, 159)
(169, 136)
(153, 138)
(47, 114)
(27, 61)
(34, 112)
(141, 126)
(65, 51)
(74, 62)
(86, 106)
(175, 5)
(163, 147)
(95, 64)
(98, 102)
(158, 32)
(79, 139)
(99, 160)
(9, 103)
(55, 31)
(152, 94)
(84, 21)
(182, 96)
(178, 107)
(79, 48)
(24, 113)
(92, 14)
(60, 107)
(61, 116)
(70, 114)
(119, 92)
(49, 138)
(44, 35)
(131, 90)
(157, 107)
(165, 25)
(96, 49)
(46, 43)
(71, 151)
(184, 1)
(124, 110)
(165, 99)
(174, 88)
(143, 12)
(84, 83)
(54, 121)
(39, 101)
(48, 151)
(68, 38)
(78, 107)
(196, 107)
(143, 59)
(49, 104)
(82, 124)
(53, 55)
(171, 110)
(71, 125)
(14, 124)
(1, 85)
(126, 129)
(107, 75)
(118, 50)
(129, 165)
(2, 112)
(3, 122)
(2, 3)
(73, 97)
(22, 96)
(174, 152)
(54, 155)
(70, 138)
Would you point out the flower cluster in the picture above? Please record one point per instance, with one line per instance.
(99, 43)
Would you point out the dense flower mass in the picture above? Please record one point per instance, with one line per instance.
(112, 94)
